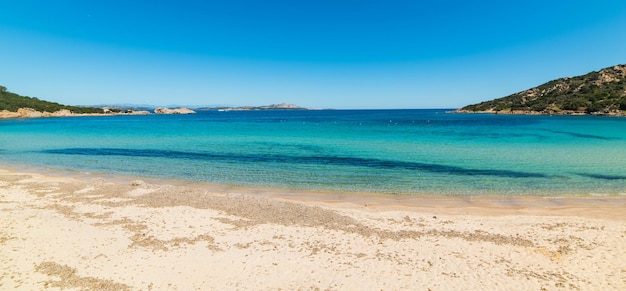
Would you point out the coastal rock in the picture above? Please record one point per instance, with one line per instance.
(180, 110)
(32, 113)
(62, 112)
(121, 111)
(135, 112)
(8, 114)
(29, 113)
(139, 112)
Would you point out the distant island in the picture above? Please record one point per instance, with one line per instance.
(281, 106)
(13, 105)
(596, 93)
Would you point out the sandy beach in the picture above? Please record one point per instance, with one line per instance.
(89, 233)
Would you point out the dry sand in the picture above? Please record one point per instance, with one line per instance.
(61, 232)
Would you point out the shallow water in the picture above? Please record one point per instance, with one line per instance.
(380, 151)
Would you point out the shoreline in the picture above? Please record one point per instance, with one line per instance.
(418, 201)
(92, 233)
(542, 113)
(9, 115)
(23, 113)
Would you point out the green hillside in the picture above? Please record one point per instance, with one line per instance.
(12, 102)
(602, 93)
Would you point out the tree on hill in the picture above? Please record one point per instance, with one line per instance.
(12, 102)
(601, 92)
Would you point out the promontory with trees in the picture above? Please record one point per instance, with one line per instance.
(596, 93)
(12, 102)
(13, 105)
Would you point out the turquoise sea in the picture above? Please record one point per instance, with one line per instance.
(405, 152)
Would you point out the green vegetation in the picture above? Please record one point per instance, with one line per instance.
(602, 92)
(12, 102)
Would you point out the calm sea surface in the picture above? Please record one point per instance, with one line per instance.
(407, 152)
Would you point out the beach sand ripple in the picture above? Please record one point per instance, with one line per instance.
(60, 232)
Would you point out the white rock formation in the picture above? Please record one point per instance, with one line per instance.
(180, 110)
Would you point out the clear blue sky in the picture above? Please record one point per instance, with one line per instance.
(315, 53)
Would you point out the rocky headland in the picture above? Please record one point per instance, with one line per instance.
(13, 105)
(595, 93)
(32, 113)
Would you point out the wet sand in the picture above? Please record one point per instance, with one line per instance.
(88, 233)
